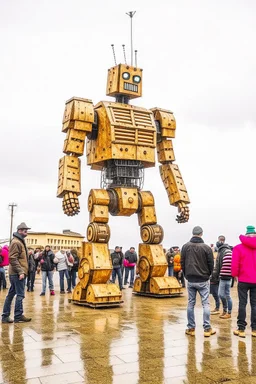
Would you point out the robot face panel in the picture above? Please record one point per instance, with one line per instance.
(124, 80)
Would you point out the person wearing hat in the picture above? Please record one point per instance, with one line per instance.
(18, 270)
(222, 272)
(244, 268)
(197, 265)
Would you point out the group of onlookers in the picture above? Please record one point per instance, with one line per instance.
(123, 266)
(65, 262)
(197, 263)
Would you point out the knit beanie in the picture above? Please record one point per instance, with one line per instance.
(250, 229)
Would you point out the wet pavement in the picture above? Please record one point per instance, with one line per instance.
(141, 342)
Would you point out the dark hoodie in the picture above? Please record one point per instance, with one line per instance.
(196, 260)
(244, 260)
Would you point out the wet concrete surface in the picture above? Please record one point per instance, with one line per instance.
(141, 342)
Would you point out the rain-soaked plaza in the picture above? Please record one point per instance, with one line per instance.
(141, 342)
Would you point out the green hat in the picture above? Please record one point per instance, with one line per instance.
(250, 229)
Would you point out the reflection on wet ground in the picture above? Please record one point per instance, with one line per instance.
(141, 342)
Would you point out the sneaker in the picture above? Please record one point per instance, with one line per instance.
(226, 316)
(7, 320)
(209, 332)
(22, 319)
(42, 294)
(130, 286)
(190, 331)
(62, 292)
(215, 311)
(69, 291)
(240, 332)
(52, 293)
(253, 332)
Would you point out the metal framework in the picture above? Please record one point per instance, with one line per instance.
(122, 173)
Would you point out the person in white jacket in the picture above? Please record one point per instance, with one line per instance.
(62, 268)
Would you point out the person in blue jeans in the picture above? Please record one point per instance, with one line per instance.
(63, 270)
(117, 262)
(18, 270)
(47, 268)
(222, 271)
(197, 266)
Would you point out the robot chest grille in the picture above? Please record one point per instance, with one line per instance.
(131, 87)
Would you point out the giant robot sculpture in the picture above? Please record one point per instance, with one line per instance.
(120, 142)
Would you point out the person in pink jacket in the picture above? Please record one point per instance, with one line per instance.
(4, 261)
(244, 268)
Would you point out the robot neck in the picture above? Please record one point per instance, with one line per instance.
(124, 99)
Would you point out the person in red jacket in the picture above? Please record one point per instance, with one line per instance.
(244, 268)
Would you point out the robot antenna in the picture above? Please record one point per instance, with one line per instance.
(131, 14)
(135, 54)
(113, 49)
(124, 54)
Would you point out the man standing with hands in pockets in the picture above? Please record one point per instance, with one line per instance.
(18, 270)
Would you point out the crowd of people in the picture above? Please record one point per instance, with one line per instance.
(194, 263)
(204, 275)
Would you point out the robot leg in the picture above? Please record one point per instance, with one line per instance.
(152, 261)
(95, 265)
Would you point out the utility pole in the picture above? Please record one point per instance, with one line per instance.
(12, 206)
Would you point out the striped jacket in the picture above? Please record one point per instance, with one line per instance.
(223, 263)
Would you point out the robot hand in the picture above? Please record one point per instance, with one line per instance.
(70, 204)
(183, 210)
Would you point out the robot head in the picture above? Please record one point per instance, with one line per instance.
(124, 80)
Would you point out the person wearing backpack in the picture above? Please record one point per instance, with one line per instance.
(117, 262)
(129, 263)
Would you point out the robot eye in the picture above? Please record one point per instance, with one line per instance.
(126, 76)
(136, 79)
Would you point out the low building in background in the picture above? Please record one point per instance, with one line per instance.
(57, 241)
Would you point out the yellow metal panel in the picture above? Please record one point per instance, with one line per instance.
(100, 293)
(173, 183)
(97, 255)
(97, 196)
(167, 122)
(78, 109)
(69, 175)
(99, 214)
(128, 201)
(164, 285)
(147, 215)
(154, 253)
(165, 151)
(74, 143)
(147, 198)
(79, 294)
(123, 151)
(146, 155)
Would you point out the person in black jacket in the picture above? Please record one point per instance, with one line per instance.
(31, 271)
(117, 262)
(47, 268)
(197, 265)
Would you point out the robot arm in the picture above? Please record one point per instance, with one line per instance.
(77, 123)
(170, 174)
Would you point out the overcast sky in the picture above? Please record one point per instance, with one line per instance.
(198, 60)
